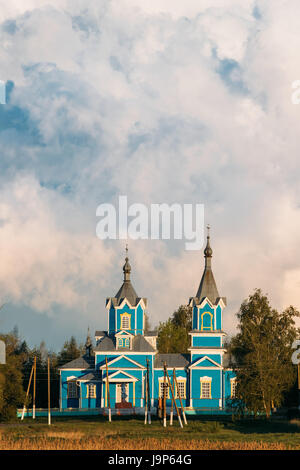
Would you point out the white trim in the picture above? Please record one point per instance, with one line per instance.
(107, 322)
(215, 318)
(181, 379)
(89, 381)
(204, 358)
(205, 333)
(160, 381)
(126, 368)
(124, 333)
(200, 350)
(232, 380)
(205, 379)
(115, 351)
(144, 321)
(88, 391)
(111, 378)
(124, 301)
(205, 301)
(118, 358)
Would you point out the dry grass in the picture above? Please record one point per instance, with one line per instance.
(76, 441)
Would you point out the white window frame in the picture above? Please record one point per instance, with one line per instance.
(91, 390)
(204, 382)
(181, 382)
(123, 343)
(127, 318)
(161, 389)
(72, 391)
(233, 387)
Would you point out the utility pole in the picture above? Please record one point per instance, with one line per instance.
(28, 388)
(172, 406)
(49, 409)
(164, 399)
(179, 396)
(146, 398)
(148, 388)
(177, 411)
(34, 388)
(107, 390)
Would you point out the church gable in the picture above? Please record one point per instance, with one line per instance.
(123, 334)
(120, 376)
(204, 363)
(123, 362)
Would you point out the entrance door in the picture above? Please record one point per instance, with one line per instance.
(122, 392)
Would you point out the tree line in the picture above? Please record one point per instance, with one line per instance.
(260, 354)
(15, 374)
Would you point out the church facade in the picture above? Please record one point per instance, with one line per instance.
(127, 350)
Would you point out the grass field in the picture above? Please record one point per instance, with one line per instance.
(132, 434)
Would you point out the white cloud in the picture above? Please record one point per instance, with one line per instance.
(165, 102)
(42, 263)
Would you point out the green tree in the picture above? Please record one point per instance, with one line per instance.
(41, 354)
(173, 335)
(262, 353)
(71, 350)
(12, 394)
(182, 317)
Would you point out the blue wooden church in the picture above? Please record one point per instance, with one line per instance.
(126, 349)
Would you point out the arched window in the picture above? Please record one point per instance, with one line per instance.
(207, 321)
(72, 390)
(123, 343)
(233, 387)
(91, 391)
(205, 391)
(125, 321)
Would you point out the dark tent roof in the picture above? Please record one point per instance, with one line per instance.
(127, 291)
(82, 362)
(139, 344)
(208, 287)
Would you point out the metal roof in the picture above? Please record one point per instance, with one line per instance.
(172, 360)
(139, 344)
(82, 362)
(90, 376)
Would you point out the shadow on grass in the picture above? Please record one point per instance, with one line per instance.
(130, 426)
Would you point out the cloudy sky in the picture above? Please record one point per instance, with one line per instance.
(162, 101)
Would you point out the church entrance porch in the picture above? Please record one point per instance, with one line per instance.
(122, 395)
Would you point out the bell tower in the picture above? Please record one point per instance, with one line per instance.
(207, 307)
(126, 309)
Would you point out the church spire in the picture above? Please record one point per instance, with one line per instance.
(208, 287)
(127, 267)
(88, 343)
(127, 290)
(208, 251)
